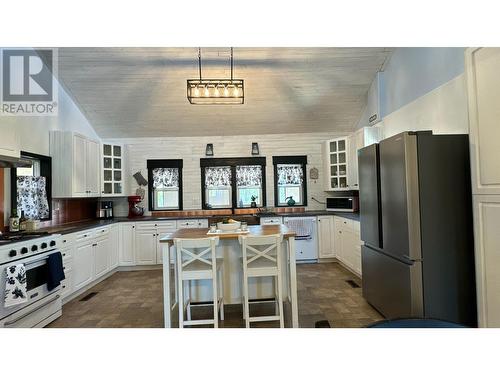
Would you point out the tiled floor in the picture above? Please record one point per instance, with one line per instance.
(134, 299)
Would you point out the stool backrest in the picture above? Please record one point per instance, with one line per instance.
(190, 250)
(267, 248)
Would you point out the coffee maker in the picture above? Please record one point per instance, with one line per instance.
(105, 210)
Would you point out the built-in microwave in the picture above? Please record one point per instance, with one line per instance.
(342, 204)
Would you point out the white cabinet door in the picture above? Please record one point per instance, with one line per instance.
(483, 86)
(114, 247)
(92, 168)
(79, 166)
(487, 250)
(101, 257)
(83, 265)
(326, 237)
(127, 244)
(337, 238)
(145, 246)
(162, 230)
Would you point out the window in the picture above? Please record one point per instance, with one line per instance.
(290, 180)
(31, 187)
(232, 182)
(249, 184)
(218, 187)
(165, 185)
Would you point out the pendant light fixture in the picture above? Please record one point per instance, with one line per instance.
(215, 91)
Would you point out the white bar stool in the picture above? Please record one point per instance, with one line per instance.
(197, 260)
(262, 258)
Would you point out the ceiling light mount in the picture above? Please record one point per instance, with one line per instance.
(215, 91)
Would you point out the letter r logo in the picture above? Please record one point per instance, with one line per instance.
(27, 75)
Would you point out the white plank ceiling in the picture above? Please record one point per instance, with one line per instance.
(141, 92)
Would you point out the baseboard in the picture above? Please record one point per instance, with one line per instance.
(328, 260)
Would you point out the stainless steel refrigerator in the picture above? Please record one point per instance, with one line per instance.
(416, 224)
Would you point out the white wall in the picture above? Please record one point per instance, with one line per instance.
(442, 110)
(33, 131)
(191, 149)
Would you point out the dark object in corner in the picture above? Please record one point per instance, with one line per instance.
(352, 283)
(88, 296)
(415, 323)
(322, 324)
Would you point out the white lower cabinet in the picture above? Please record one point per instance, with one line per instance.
(114, 246)
(127, 244)
(147, 239)
(164, 229)
(326, 239)
(102, 247)
(145, 246)
(348, 243)
(83, 264)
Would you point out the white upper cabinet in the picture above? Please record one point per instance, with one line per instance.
(483, 86)
(359, 139)
(112, 160)
(336, 164)
(75, 165)
(340, 157)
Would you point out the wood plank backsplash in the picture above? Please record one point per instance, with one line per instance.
(191, 149)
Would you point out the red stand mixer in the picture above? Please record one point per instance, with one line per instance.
(134, 210)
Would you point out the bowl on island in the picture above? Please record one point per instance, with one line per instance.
(229, 226)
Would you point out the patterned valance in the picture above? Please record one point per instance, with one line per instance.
(165, 178)
(32, 197)
(248, 175)
(290, 174)
(217, 176)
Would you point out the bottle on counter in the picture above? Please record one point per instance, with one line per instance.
(14, 221)
(22, 222)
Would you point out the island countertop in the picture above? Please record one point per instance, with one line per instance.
(254, 230)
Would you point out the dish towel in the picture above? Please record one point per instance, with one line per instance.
(16, 289)
(55, 270)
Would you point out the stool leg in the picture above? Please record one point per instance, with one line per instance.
(215, 297)
(180, 304)
(221, 282)
(246, 307)
(276, 303)
(188, 308)
(280, 300)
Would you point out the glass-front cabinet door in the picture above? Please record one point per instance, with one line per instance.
(112, 170)
(336, 164)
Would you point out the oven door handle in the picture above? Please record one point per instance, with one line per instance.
(31, 312)
(39, 260)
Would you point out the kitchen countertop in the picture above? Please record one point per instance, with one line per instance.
(260, 230)
(90, 224)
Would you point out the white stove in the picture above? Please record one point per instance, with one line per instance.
(42, 305)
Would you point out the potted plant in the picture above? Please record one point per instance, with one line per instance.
(253, 204)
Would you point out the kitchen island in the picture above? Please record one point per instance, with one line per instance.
(230, 250)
